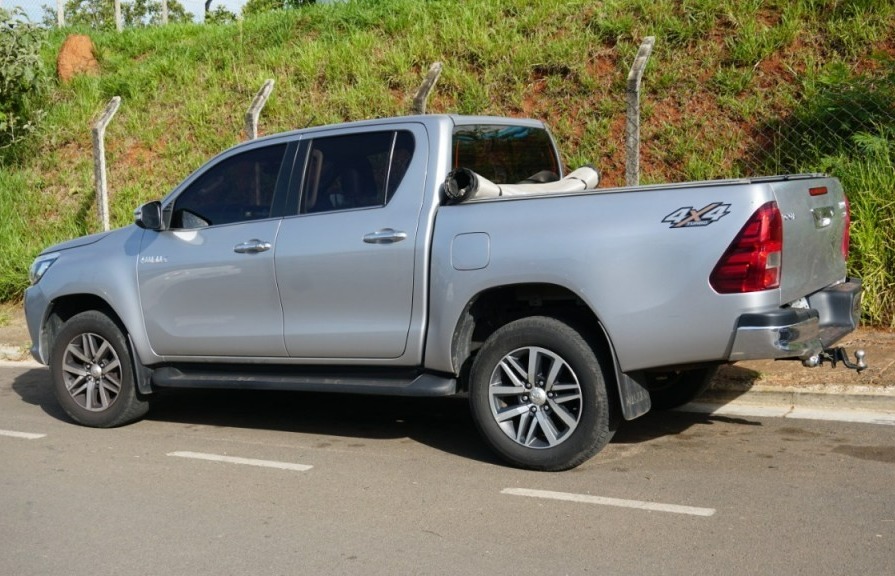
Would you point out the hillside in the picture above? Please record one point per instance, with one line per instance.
(732, 88)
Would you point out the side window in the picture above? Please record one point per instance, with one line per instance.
(237, 189)
(355, 171)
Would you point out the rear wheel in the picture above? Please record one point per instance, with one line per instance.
(538, 396)
(92, 372)
(669, 390)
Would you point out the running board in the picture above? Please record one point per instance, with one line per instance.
(374, 382)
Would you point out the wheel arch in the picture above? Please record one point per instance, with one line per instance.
(494, 307)
(66, 307)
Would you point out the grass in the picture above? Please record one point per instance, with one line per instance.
(729, 90)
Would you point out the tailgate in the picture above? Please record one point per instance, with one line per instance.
(815, 215)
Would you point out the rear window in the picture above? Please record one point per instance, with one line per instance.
(504, 154)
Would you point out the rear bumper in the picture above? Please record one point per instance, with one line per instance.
(800, 333)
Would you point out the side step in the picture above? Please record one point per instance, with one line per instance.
(374, 381)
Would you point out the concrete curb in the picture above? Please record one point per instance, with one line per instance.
(9, 353)
(838, 397)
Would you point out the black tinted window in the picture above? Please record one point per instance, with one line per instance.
(504, 154)
(237, 189)
(355, 171)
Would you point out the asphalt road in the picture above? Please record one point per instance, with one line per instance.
(269, 483)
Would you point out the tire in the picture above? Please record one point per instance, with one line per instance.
(92, 372)
(538, 396)
(670, 390)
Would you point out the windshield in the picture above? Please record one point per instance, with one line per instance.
(504, 154)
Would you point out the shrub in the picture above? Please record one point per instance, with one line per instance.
(22, 78)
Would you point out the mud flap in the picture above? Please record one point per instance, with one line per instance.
(635, 399)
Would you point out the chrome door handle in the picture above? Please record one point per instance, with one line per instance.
(252, 246)
(385, 236)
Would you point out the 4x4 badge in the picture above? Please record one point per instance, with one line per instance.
(689, 216)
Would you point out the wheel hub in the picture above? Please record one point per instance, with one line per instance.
(96, 371)
(538, 396)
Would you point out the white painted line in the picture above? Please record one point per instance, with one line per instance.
(245, 461)
(24, 435)
(798, 412)
(585, 499)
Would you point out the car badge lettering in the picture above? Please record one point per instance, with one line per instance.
(153, 259)
(688, 217)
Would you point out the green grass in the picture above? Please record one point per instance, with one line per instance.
(729, 91)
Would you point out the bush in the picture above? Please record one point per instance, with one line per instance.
(22, 78)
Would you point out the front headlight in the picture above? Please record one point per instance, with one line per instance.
(40, 266)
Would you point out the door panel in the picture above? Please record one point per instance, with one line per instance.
(202, 295)
(346, 276)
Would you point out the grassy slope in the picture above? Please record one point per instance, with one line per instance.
(721, 73)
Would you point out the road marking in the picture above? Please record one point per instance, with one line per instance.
(24, 435)
(586, 499)
(245, 461)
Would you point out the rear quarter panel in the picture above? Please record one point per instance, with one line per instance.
(646, 280)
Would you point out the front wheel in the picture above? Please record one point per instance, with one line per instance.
(92, 372)
(538, 396)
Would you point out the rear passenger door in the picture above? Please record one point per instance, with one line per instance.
(345, 261)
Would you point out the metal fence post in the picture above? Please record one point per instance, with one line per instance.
(251, 117)
(632, 128)
(422, 95)
(99, 159)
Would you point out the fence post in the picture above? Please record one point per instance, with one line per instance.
(422, 95)
(632, 128)
(251, 117)
(119, 25)
(99, 159)
(164, 12)
(60, 13)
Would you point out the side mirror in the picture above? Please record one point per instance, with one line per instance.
(149, 216)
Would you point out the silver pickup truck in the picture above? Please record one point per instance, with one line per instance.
(441, 255)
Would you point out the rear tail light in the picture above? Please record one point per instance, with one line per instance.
(754, 259)
(846, 232)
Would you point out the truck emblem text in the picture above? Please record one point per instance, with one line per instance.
(689, 216)
(153, 260)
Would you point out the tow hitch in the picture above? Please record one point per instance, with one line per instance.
(836, 355)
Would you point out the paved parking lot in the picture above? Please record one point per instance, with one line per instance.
(269, 483)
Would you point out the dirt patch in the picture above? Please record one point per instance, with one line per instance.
(76, 57)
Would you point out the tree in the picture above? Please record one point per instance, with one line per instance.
(219, 15)
(100, 14)
(149, 13)
(261, 6)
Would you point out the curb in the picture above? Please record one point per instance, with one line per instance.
(17, 354)
(838, 397)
